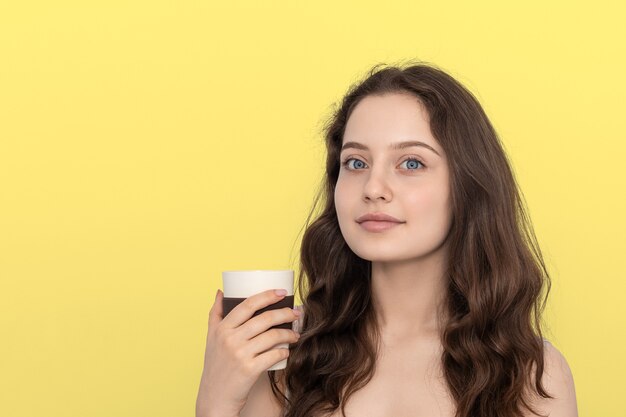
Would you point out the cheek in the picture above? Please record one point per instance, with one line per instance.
(431, 203)
(337, 194)
(346, 198)
(342, 196)
(342, 208)
(339, 198)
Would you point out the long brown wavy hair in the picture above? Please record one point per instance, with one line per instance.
(492, 338)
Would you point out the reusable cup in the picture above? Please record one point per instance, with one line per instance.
(239, 285)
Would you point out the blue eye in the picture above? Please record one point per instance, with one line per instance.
(347, 162)
(413, 163)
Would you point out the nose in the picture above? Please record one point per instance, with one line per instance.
(376, 187)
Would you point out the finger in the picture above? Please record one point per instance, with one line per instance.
(246, 309)
(270, 358)
(269, 339)
(215, 315)
(266, 320)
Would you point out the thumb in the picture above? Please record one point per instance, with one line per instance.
(215, 315)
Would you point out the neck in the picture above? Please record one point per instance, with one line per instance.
(408, 296)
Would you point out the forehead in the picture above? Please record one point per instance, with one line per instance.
(379, 120)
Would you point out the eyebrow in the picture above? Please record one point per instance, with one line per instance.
(393, 146)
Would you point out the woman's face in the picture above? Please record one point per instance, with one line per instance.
(409, 183)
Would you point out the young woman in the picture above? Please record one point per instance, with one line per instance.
(421, 278)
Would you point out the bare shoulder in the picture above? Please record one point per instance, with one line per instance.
(559, 382)
(261, 400)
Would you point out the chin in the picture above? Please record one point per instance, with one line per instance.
(377, 255)
(396, 252)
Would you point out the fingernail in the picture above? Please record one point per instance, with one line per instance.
(297, 312)
(280, 292)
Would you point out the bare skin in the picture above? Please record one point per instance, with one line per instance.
(407, 382)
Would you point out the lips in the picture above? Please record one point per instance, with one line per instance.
(378, 222)
(378, 226)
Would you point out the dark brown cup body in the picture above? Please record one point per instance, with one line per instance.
(231, 302)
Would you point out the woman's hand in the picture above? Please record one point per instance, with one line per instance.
(239, 350)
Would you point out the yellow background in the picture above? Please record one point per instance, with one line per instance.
(148, 145)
